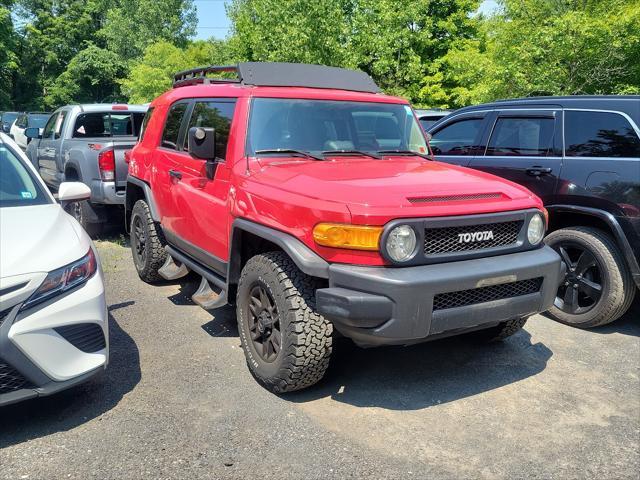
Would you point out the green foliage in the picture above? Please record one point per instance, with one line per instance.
(153, 74)
(8, 58)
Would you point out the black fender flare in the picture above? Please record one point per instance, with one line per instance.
(305, 259)
(618, 233)
(148, 195)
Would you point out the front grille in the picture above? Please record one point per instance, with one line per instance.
(454, 198)
(447, 239)
(87, 337)
(473, 296)
(11, 380)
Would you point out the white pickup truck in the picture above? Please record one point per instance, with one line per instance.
(86, 143)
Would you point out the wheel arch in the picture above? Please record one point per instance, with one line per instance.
(562, 216)
(139, 190)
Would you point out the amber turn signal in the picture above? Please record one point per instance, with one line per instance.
(354, 237)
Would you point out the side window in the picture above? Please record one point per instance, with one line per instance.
(216, 114)
(22, 121)
(522, 137)
(599, 134)
(458, 138)
(60, 122)
(145, 122)
(50, 126)
(172, 126)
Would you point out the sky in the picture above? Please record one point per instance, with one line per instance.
(213, 21)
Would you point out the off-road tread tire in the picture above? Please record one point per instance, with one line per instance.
(307, 337)
(501, 331)
(618, 297)
(156, 253)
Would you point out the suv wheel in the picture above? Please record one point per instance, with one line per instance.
(147, 243)
(598, 287)
(286, 342)
(82, 211)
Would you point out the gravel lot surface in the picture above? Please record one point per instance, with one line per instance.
(178, 402)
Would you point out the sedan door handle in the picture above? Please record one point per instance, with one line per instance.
(175, 174)
(537, 171)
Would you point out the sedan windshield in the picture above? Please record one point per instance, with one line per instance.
(18, 187)
(325, 127)
(38, 120)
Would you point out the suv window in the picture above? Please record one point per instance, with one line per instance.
(531, 136)
(107, 124)
(458, 138)
(172, 126)
(145, 122)
(216, 114)
(599, 134)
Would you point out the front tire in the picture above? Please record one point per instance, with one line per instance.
(287, 343)
(598, 287)
(147, 243)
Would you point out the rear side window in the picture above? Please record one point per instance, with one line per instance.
(457, 138)
(145, 122)
(218, 115)
(522, 137)
(107, 124)
(171, 131)
(599, 134)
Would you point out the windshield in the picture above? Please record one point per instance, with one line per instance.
(18, 187)
(9, 117)
(318, 126)
(38, 120)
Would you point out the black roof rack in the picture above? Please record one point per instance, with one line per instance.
(274, 74)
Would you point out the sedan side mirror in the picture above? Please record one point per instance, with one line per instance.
(32, 132)
(73, 192)
(202, 145)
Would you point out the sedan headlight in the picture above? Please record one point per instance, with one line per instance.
(64, 279)
(401, 243)
(535, 230)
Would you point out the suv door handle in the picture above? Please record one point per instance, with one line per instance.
(537, 171)
(175, 174)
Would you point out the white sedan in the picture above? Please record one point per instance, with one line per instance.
(53, 315)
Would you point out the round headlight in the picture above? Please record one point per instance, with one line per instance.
(535, 232)
(401, 243)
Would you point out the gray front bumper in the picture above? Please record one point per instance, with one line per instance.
(389, 306)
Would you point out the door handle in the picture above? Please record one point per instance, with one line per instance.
(175, 174)
(537, 171)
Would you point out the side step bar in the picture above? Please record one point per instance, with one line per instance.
(212, 292)
(172, 270)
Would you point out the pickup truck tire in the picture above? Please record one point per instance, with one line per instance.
(607, 269)
(287, 343)
(501, 331)
(82, 212)
(147, 243)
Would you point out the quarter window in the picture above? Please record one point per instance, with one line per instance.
(218, 115)
(458, 138)
(599, 134)
(532, 137)
(171, 131)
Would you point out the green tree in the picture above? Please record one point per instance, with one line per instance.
(153, 74)
(8, 59)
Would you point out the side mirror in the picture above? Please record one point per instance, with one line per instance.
(32, 132)
(202, 145)
(73, 192)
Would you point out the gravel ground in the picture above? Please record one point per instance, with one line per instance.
(178, 402)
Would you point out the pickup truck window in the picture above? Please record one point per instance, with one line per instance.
(323, 125)
(216, 114)
(532, 137)
(171, 131)
(50, 126)
(599, 134)
(60, 122)
(107, 124)
(17, 185)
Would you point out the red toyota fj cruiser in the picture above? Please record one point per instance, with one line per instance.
(311, 201)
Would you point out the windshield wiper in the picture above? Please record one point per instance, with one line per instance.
(351, 152)
(290, 151)
(405, 152)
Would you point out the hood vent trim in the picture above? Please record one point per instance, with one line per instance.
(455, 198)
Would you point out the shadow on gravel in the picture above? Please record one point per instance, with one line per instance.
(420, 376)
(68, 409)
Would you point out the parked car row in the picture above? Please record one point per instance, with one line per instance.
(309, 200)
(15, 124)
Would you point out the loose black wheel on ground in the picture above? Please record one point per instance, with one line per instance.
(287, 343)
(147, 243)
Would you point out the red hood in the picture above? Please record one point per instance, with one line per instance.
(377, 190)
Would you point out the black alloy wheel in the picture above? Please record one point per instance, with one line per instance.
(583, 284)
(139, 242)
(264, 323)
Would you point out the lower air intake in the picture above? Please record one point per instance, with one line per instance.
(11, 380)
(473, 296)
(87, 337)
